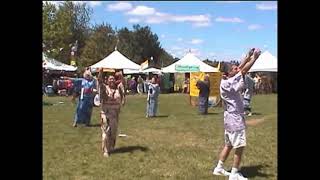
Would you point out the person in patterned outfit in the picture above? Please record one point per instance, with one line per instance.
(112, 97)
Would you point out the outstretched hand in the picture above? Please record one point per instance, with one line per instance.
(256, 53)
(251, 52)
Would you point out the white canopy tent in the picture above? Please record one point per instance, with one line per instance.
(144, 71)
(131, 71)
(152, 70)
(266, 63)
(116, 61)
(189, 63)
(52, 64)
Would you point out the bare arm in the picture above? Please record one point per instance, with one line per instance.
(100, 78)
(246, 59)
(253, 59)
(102, 88)
(123, 98)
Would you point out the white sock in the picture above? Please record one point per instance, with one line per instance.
(220, 164)
(234, 170)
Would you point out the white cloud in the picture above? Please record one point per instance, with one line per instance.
(151, 16)
(231, 20)
(89, 3)
(142, 11)
(163, 36)
(231, 2)
(120, 6)
(154, 20)
(79, 2)
(179, 39)
(192, 18)
(95, 3)
(201, 24)
(253, 27)
(56, 3)
(196, 20)
(134, 20)
(265, 46)
(196, 41)
(212, 53)
(267, 6)
(176, 48)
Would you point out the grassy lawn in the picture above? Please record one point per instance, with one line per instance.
(178, 145)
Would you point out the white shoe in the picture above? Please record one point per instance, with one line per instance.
(250, 114)
(105, 154)
(237, 176)
(220, 172)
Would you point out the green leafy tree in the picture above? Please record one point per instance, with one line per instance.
(99, 45)
(62, 26)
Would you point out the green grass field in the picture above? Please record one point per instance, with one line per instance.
(180, 144)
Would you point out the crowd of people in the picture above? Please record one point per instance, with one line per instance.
(236, 91)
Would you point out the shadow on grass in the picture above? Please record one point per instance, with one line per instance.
(130, 149)
(256, 113)
(94, 125)
(254, 171)
(162, 116)
(212, 113)
(46, 104)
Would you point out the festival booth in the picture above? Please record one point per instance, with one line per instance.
(267, 66)
(142, 71)
(114, 61)
(53, 69)
(192, 67)
(152, 70)
(54, 65)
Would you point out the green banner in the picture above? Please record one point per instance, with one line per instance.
(187, 68)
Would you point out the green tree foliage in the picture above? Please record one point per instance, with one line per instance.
(68, 22)
(62, 26)
(100, 44)
(126, 44)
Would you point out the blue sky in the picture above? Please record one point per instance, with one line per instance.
(214, 30)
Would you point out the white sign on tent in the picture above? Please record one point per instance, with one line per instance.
(189, 63)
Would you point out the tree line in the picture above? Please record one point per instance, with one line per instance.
(68, 22)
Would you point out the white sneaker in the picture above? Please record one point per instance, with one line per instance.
(220, 172)
(237, 176)
(250, 114)
(105, 154)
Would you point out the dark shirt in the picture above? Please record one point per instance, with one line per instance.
(204, 88)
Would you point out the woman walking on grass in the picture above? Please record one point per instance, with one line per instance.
(111, 96)
(152, 99)
(85, 103)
